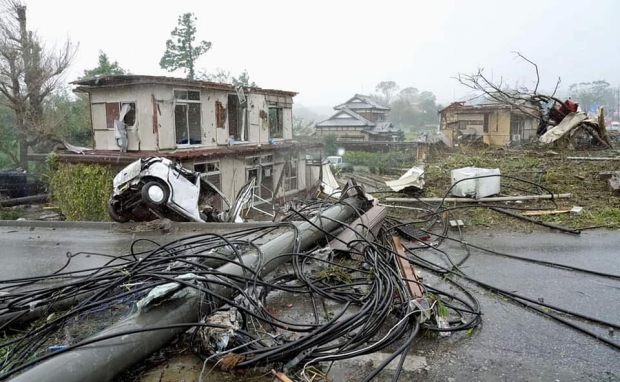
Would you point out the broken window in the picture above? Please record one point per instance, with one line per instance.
(187, 117)
(266, 184)
(187, 124)
(276, 123)
(261, 168)
(220, 114)
(517, 127)
(113, 113)
(187, 95)
(237, 119)
(290, 176)
(485, 124)
(211, 171)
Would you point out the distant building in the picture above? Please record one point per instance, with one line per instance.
(359, 119)
(494, 124)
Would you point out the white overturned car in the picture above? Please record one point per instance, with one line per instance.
(157, 187)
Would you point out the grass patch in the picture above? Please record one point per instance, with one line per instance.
(553, 171)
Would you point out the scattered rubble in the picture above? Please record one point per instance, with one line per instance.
(222, 294)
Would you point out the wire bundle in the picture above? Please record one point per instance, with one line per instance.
(370, 307)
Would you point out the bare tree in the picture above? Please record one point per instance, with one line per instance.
(522, 98)
(29, 73)
(528, 101)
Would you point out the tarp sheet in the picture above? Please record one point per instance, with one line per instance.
(414, 177)
(569, 122)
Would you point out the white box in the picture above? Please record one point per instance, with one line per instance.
(476, 188)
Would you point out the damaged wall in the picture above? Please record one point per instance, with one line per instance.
(498, 126)
(234, 172)
(154, 123)
(507, 126)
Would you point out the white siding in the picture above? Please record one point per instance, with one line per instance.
(288, 123)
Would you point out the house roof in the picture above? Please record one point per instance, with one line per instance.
(131, 79)
(360, 101)
(382, 127)
(349, 118)
(346, 117)
(462, 108)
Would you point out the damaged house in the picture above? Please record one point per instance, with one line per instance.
(494, 124)
(360, 119)
(231, 134)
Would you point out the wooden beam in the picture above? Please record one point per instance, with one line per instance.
(407, 271)
(547, 212)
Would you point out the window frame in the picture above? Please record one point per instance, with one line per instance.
(186, 100)
(181, 101)
(120, 107)
(280, 119)
(288, 176)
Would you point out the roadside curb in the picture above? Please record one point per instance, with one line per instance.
(181, 226)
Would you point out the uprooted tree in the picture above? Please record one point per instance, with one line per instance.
(532, 102)
(29, 74)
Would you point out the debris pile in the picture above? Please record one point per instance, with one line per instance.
(236, 299)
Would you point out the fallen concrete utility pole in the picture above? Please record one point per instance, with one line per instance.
(481, 200)
(366, 226)
(535, 221)
(593, 158)
(24, 200)
(131, 340)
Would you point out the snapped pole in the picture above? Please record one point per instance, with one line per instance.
(105, 359)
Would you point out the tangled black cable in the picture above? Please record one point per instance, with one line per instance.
(366, 293)
(433, 215)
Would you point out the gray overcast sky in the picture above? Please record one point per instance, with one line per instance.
(328, 50)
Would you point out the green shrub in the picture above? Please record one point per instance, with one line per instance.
(347, 168)
(8, 214)
(82, 190)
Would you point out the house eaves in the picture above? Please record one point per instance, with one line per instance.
(367, 103)
(130, 80)
(355, 120)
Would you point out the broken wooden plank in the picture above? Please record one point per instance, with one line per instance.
(407, 270)
(602, 130)
(539, 222)
(545, 212)
(280, 376)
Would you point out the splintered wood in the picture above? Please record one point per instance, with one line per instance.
(406, 270)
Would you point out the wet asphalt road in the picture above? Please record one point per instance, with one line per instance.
(513, 344)
(516, 344)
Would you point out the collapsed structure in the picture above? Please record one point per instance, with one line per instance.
(212, 128)
(494, 124)
(219, 294)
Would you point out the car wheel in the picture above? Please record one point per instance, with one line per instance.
(114, 214)
(155, 193)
